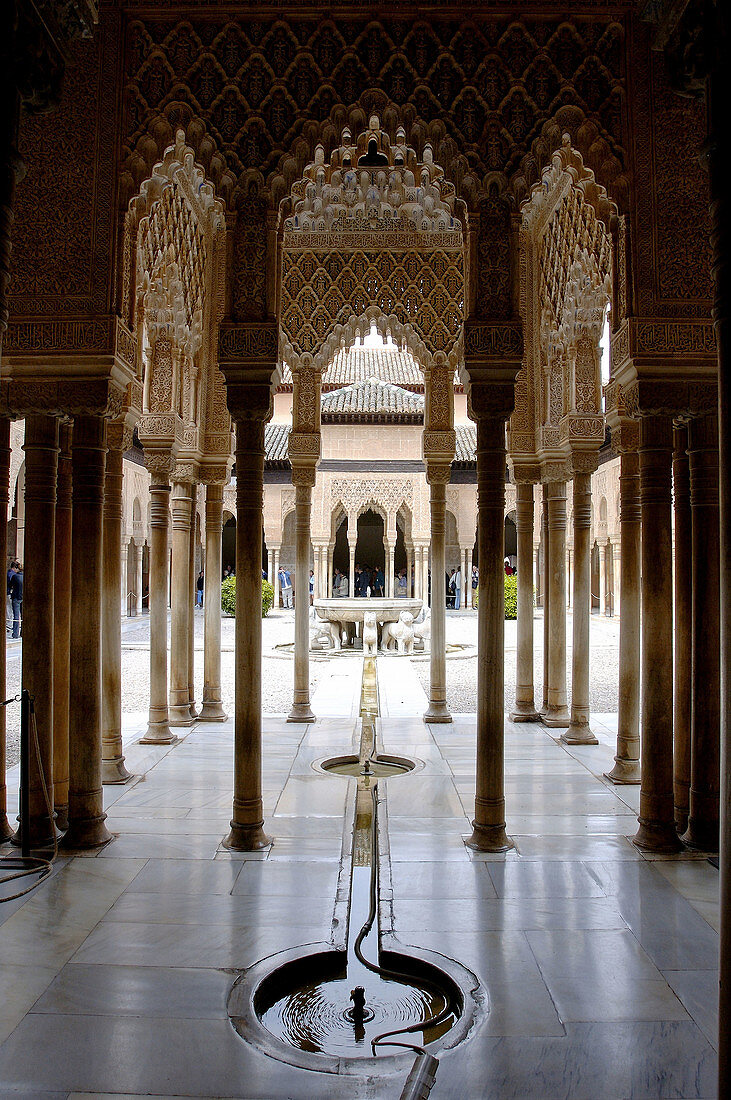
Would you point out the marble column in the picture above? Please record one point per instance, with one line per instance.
(409, 569)
(138, 551)
(525, 707)
(703, 819)
(5, 829)
(488, 827)
(247, 821)
(391, 551)
(275, 582)
(557, 713)
(579, 732)
(87, 818)
(467, 579)
(113, 768)
(41, 458)
(683, 575)
(212, 709)
(568, 578)
(627, 761)
(437, 711)
(303, 478)
(192, 576)
(418, 592)
(546, 599)
(158, 727)
(330, 552)
(270, 567)
(538, 573)
(351, 568)
(602, 579)
(657, 831)
(179, 706)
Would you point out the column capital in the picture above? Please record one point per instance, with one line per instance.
(490, 400)
(160, 466)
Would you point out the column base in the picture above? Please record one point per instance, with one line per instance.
(579, 734)
(62, 816)
(114, 771)
(657, 837)
(489, 838)
(212, 711)
(193, 712)
(246, 838)
(82, 835)
(524, 712)
(42, 834)
(5, 829)
(158, 733)
(437, 712)
(557, 717)
(180, 715)
(301, 712)
(701, 838)
(624, 771)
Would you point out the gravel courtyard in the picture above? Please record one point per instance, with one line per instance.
(277, 665)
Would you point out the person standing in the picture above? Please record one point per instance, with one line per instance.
(16, 598)
(457, 581)
(475, 583)
(199, 590)
(285, 586)
(312, 587)
(12, 570)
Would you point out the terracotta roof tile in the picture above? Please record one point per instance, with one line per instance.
(373, 398)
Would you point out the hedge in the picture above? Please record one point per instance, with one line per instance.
(228, 596)
(511, 597)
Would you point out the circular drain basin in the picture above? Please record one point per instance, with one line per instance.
(297, 1007)
(382, 767)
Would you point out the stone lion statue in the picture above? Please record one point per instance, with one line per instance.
(399, 635)
(422, 631)
(370, 634)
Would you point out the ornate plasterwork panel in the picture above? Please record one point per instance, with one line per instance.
(372, 228)
(357, 493)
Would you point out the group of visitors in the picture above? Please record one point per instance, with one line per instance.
(15, 595)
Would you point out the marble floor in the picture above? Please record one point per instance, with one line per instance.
(598, 965)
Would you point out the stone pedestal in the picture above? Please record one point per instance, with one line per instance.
(303, 478)
(212, 709)
(437, 711)
(703, 819)
(86, 799)
(657, 817)
(192, 575)
(179, 706)
(113, 768)
(525, 707)
(683, 627)
(579, 732)
(158, 728)
(41, 457)
(247, 821)
(488, 827)
(557, 711)
(627, 761)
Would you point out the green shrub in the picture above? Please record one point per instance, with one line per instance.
(228, 596)
(511, 597)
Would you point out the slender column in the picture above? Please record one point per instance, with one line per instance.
(5, 830)
(602, 579)
(409, 568)
(537, 572)
(270, 567)
(86, 799)
(330, 552)
(113, 769)
(546, 600)
(179, 711)
(276, 578)
(418, 593)
(351, 570)
(247, 821)
(719, 162)
(425, 575)
(705, 712)
(627, 761)
(657, 822)
(437, 711)
(212, 709)
(525, 707)
(557, 713)
(616, 578)
(41, 450)
(467, 579)
(137, 551)
(391, 570)
(303, 478)
(488, 827)
(158, 728)
(568, 578)
(579, 731)
(191, 602)
(683, 628)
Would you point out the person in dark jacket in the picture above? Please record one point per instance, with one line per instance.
(15, 587)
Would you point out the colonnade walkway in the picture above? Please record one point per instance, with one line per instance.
(599, 964)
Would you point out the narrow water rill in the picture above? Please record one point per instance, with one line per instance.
(360, 996)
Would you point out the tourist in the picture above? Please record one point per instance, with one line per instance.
(16, 598)
(199, 590)
(361, 581)
(285, 587)
(12, 570)
(457, 582)
(402, 587)
(312, 587)
(450, 589)
(475, 583)
(379, 582)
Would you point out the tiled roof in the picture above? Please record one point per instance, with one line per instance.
(466, 449)
(359, 363)
(373, 399)
(275, 442)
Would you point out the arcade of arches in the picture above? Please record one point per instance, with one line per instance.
(305, 289)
